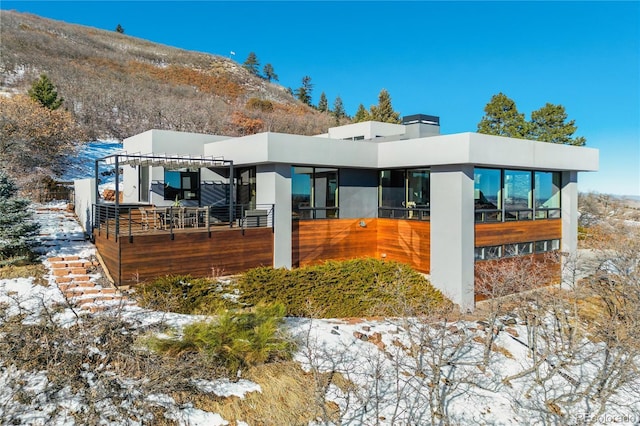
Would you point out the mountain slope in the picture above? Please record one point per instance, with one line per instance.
(117, 85)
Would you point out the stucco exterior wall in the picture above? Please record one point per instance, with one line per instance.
(85, 197)
(452, 233)
(273, 186)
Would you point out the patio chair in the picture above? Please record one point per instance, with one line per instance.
(144, 219)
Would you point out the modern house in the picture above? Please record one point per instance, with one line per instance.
(441, 203)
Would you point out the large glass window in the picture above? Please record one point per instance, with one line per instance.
(547, 194)
(418, 188)
(503, 195)
(404, 194)
(392, 192)
(143, 184)
(246, 187)
(301, 178)
(517, 195)
(325, 192)
(314, 192)
(181, 185)
(488, 194)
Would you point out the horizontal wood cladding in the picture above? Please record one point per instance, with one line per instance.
(406, 241)
(314, 241)
(516, 274)
(109, 250)
(493, 234)
(195, 253)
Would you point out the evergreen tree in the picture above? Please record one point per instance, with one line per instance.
(119, 29)
(304, 92)
(323, 105)
(384, 112)
(548, 124)
(18, 231)
(361, 115)
(269, 73)
(502, 118)
(44, 92)
(251, 64)
(338, 109)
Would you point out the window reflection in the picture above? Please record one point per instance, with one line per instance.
(314, 192)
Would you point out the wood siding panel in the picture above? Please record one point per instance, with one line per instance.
(109, 250)
(194, 253)
(493, 234)
(406, 241)
(314, 241)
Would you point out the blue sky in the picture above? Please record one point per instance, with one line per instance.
(438, 58)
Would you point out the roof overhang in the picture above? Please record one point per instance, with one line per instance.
(462, 148)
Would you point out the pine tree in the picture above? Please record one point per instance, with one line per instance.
(502, 118)
(44, 92)
(18, 231)
(338, 109)
(384, 112)
(251, 64)
(361, 115)
(269, 73)
(323, 105)
(548, 124)
(304, 92)
(119, 29)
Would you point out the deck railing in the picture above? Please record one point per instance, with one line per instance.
(415, 213)
(129, 220)
(506, 215)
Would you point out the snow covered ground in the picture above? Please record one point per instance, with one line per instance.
(83, 164)
(396, 371)
(21, 296)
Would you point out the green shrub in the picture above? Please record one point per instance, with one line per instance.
(339, 289)
(234, 339)
(183, 294)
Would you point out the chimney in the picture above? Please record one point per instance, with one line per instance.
(421, 125)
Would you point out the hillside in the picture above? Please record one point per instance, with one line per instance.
(117, 86)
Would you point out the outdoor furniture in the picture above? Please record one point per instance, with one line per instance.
(144, 218)
(255, 218)
(189, 217)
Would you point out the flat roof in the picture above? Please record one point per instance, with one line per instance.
(462, 148)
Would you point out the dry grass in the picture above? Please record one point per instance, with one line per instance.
(286, 398)
(38, 271)
(174, 89)
(494, 347)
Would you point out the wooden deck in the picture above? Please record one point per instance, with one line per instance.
(196, 251)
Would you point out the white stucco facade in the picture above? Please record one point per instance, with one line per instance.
(362, 149)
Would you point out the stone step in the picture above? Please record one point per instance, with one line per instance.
(75, 284)
(92, 299)
(63, 258)
(80, 291)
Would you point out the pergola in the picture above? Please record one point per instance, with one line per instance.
(161, 160)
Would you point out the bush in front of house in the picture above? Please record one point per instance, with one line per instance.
(234, 339)
(183, 294)
(338, 289)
